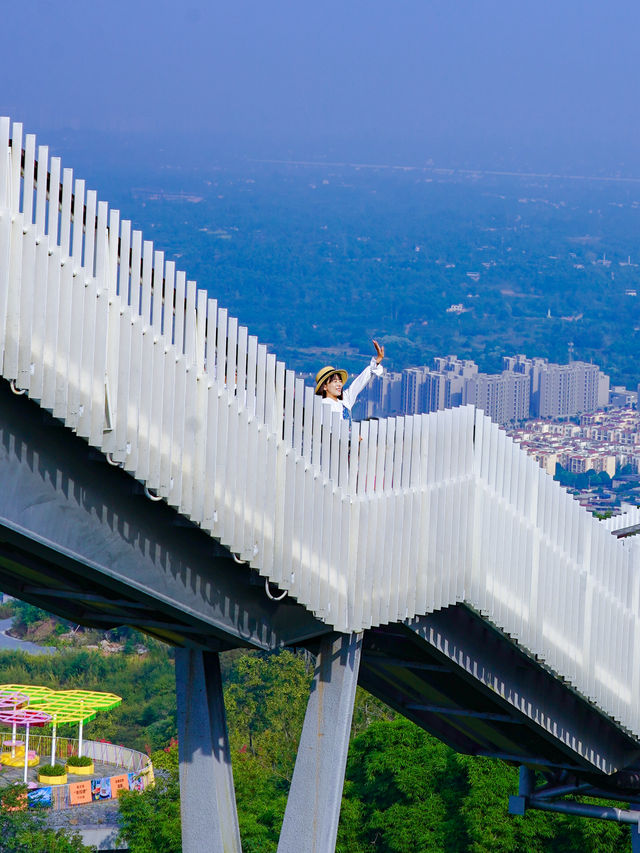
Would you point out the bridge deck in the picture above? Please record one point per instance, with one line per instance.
(432, 513)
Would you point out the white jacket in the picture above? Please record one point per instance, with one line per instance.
(350, 394)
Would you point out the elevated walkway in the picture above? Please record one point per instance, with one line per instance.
(159, 466)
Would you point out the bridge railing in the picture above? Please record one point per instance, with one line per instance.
(554, 578)
(423, 511)
(104, 332)
(105, 753)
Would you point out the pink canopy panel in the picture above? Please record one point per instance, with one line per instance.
(24, 717)
(12, 700)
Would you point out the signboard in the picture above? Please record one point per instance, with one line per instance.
(40, 798)
(136, 782)
(80, 793)
(119, 784)
(101, 789)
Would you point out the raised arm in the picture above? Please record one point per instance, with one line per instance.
(374, 368)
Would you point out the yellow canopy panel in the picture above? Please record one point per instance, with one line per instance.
(75, 704)
(32, 691)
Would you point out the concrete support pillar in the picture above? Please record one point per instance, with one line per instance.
(635, 830)
(207, 797)
(311, 818)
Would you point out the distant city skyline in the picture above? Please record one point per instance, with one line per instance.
(525, 388)
(566, 416)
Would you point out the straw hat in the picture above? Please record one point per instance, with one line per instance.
(326, 372)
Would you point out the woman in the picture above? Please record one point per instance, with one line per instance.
(330, 384)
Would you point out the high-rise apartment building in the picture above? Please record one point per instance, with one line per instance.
(603, 390)
(531, 367)
(453, 364)
(568, 389)
(381, 398)
(504, 397)
(448, 383)
(561, 390)
(413, 390)
(435, 393)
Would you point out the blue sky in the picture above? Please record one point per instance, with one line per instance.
(403, 79)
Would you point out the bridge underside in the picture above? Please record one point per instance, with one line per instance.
(80, 538)
(472, 687)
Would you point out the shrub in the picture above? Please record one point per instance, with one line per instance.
(79, 761)
(52, 770)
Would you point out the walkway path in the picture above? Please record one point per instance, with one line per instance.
(13, 643)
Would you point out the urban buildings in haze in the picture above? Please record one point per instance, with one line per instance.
(526, 388)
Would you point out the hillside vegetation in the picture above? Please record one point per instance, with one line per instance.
(405, 792)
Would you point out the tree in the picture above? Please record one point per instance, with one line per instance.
(408, 784)
(150, 821)
(407, 791)
(28, 614)
(265, 702)
(24, 830)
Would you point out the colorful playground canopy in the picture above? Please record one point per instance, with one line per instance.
(66, 706)
(55, 707)
(69, 714)
(96, 699)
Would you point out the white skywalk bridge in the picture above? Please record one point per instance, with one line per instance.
(424, 512)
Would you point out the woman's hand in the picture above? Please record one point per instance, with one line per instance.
(379, 352)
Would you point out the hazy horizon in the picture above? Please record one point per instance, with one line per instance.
(489, 84)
